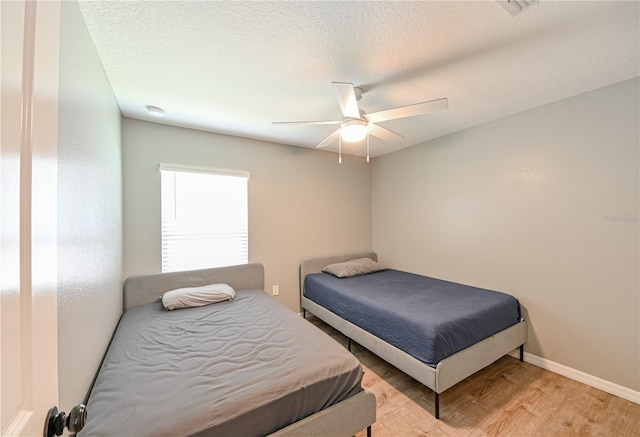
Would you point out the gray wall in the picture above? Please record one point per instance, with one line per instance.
(89, 210)
(301, 201)
(542, 205)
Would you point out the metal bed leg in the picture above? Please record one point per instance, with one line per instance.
(521, 353)
(349, 345)
(437, 405)
(369, 431)
(304, 313)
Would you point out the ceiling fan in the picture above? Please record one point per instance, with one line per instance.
(358, 125)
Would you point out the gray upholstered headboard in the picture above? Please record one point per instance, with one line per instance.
(140, 290)
(315, 265)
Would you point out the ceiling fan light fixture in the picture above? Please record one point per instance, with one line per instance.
(353, 130)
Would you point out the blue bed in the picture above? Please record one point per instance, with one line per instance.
(428, 318)
(436, 331)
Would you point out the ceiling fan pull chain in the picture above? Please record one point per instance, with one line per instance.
(367, 147)
(340, 149)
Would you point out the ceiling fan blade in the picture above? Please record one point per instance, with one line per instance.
(346, 99)
(306, 122)
(330, 139)
(382, 133)
(408, 111)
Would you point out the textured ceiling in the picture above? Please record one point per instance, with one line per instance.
(234, 67)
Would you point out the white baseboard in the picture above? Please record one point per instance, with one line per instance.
(576, 375)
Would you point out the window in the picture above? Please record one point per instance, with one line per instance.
(204, 218)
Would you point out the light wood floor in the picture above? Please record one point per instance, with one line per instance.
(508, 398)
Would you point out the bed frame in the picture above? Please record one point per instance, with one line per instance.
(342, 419)
(448, 372)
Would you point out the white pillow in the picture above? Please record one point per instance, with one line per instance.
(197, 296)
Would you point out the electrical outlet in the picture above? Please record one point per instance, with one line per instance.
(276, 290)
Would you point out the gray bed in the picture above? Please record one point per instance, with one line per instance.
(438, 376)
(246, 367)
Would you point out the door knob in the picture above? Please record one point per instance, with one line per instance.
(55, 422)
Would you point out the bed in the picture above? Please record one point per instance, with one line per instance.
(431, 358)
(243, 367)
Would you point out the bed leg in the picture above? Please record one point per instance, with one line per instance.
(369, 431)
(521, 353)
(304, 313)
(349, 344)
(437, 405)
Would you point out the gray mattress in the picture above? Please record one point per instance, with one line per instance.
(429, 319)
(243, 368)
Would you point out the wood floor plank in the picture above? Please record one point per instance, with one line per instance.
(630, 421)
(517, 421)
(508, 398)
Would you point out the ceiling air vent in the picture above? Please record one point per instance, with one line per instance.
(514, 7)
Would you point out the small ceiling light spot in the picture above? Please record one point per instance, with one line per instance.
(154, 111)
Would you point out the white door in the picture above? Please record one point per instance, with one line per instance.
(29, 54)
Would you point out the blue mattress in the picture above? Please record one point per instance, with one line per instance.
(427, 318)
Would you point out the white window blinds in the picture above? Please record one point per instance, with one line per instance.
(204, 218)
